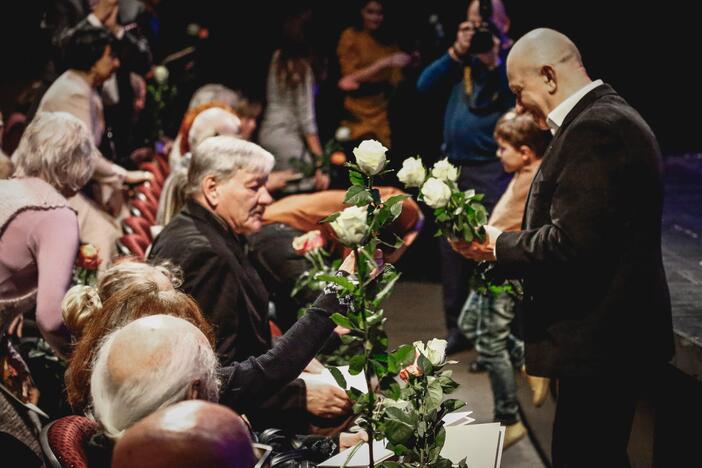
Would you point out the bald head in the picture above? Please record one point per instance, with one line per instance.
(187, 434)
(150, 363)
(545, 46)
(544, 68)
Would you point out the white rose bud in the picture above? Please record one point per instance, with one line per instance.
(445, 171)
(412, 173)
(436, 351)
(161, 74)
(370, 156)
(342, 133)
(350, 227)
(436, 193)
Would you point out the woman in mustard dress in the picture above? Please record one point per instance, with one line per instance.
(370, 69)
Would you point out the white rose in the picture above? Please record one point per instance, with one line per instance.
(161, 74)
(342, 134)
(445, 171)
(412, 173)
(436, 193)
(350, 227)
(370, 156)
(434, 350)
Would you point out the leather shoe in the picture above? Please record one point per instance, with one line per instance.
(457, 342)
(539, 389)
(476, 367)
(513, 434)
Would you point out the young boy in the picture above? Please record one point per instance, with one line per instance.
(486, 318)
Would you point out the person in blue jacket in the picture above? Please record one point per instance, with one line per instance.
(474, 70)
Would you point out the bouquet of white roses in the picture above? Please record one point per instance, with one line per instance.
(459, 214)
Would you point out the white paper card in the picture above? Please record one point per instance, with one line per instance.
(458, 418)
(358, 381)
(479, 444)
(361, 458)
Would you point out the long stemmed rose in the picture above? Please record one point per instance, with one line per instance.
(459, 214)
(358, 228)
(412, 419)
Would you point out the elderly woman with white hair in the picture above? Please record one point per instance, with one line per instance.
(39, 242)
(227, 194)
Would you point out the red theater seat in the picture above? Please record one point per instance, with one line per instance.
(64, 441)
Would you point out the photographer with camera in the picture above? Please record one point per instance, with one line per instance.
(473, 71)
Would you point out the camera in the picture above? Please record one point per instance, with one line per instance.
(482, 38)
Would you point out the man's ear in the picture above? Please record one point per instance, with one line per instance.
(548, 74)
(194, 392)
(210, 190)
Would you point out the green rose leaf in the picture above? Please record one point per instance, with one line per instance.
(451, 405)
(434, 396)
(424, 365)
(340, 280)
(354, 394)
(404, 355)
(357, 195)
(342, 321)
(357, 178)
(398, 432)
(356, 364)
(336, 373)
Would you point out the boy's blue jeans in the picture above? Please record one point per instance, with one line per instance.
(486, 320)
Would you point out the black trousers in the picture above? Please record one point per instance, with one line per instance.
(593, 421)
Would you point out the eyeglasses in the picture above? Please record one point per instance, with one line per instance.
(263, 454)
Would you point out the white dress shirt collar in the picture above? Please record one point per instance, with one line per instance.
(557, 116)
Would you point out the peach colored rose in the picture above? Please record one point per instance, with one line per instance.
(88, 257)
(308, 242)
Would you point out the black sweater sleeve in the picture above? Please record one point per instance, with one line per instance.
(248, 383)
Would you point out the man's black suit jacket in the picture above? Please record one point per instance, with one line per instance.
(596, 297)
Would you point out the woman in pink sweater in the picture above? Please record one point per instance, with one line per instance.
(38, 245)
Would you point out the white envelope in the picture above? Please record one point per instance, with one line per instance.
(479, 444)
(361, 458)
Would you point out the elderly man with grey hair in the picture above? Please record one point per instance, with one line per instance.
(227, 195)
(150, 363)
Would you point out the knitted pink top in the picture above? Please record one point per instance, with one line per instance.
(38, 247)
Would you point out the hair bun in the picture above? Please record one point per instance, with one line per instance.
(78, 305)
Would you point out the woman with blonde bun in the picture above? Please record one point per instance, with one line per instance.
(125, 292)
(78, 305)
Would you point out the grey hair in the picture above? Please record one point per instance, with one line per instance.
(116, 406)
(221, 156)
(214, 92)
(57, 148)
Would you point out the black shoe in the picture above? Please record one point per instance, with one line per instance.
(476, 367)
(457, 342)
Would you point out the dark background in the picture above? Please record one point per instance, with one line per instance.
(647, 50)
